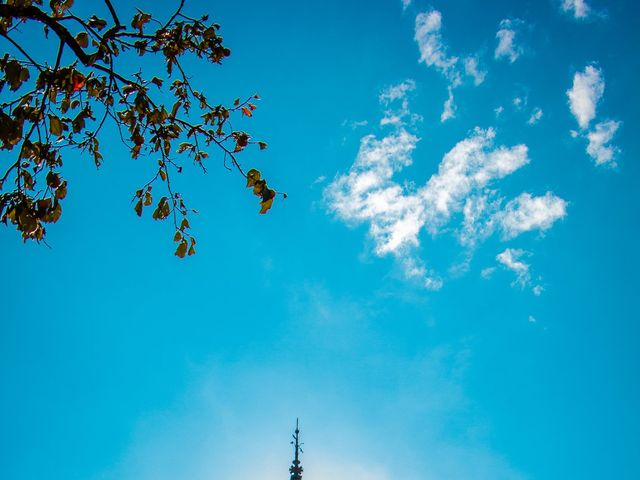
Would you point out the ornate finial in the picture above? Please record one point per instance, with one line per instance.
(296, 469)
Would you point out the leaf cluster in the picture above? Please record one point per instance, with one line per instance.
(50, 107)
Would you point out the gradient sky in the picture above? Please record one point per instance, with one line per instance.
(449, 292)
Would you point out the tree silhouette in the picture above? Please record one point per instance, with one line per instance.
(49, 107)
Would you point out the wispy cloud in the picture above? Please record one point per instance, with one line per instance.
(354, 124)
(397, 92)
(488, 272)
(520, 102)
(435, 53)
(599, 147)
(472, 69)
(578, 8)
(511, 259)
(507, 46)
(536, 116)
(231, 412)
(397, 212)
(395, 98)
(449, 110)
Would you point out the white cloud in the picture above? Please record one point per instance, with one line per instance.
(506, 36)
(390, 97)
(473, 70)
(477, 218)
(397, 92)
(319, 180)
(599, 147)
(449, 110)
(532, 319)
(354, 124)
(396, 213)
(498, 110)
(406, 4)
(511, 259)
(535, 117)
(587, 90)
(469, 166)
(487, 273)
(433, 51)
(520, 102)
(526, 213)
(578, 8)
(584, 95)
(367, 192)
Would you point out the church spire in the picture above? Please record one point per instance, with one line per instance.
(296, 469)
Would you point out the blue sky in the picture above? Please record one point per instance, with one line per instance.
(449, 292)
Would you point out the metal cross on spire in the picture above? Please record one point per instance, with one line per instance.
(296, 469)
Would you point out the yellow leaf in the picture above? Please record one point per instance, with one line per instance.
(181, 251)
(266, 205)
(253, 176)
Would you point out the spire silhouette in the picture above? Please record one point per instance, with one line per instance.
(296, 469)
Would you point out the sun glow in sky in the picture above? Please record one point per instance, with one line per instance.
(449, 292)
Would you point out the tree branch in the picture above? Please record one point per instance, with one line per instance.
(35, 13)
(112, 10)
(22, 50)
